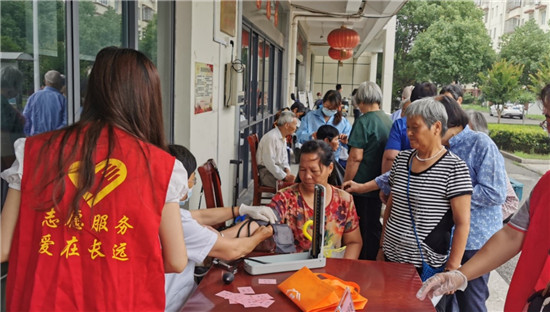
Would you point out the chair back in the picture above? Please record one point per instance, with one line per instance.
(211, 184)
(253, 142)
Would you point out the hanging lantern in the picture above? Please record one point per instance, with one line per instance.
(343, 38)
(339, 55)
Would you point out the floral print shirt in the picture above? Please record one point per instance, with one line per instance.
(340, 215)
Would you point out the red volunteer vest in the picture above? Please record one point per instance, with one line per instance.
(533, 269)
(112, 259)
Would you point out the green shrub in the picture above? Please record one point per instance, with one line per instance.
(530, 139)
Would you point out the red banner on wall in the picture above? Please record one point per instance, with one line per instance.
(268, 9)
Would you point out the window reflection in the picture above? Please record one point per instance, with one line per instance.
(32, 43)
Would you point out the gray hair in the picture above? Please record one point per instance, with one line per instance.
(286, 117)
(477, 121)
(368, 93)
(11, 78)
(430, 110)
(53, 79)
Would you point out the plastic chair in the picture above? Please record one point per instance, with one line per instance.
(253, 142)
(211, 186)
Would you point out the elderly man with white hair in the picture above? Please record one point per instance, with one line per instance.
(272, 156)
(46, 109)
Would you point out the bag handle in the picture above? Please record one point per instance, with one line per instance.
(345, 283)
(410, 210)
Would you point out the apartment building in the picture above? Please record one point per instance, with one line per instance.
(502, 17)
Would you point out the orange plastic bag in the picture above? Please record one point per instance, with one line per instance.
(313, 294)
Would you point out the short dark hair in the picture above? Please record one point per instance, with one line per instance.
(327, 132)
(456, 116)
(185, 156)
(454, 89)
(338, 87)
(321, 148)
(422, 90)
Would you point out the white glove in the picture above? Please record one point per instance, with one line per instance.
(263, 213)
(442, 283)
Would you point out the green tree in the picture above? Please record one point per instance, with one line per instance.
(526, 45)
(415, 17)
(148, 43)
(501, 84)
(452, 51)
(98, 30)
(541, 77)
(13, 27)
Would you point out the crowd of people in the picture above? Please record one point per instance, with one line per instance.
(91, 223)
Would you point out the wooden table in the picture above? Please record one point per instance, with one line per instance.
(387, 286)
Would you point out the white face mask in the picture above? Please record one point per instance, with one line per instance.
(182, 202)
(329, 112)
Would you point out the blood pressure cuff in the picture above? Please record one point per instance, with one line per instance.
(282, 240)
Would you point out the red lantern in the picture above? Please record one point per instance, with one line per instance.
(340, 55)
(343, 38)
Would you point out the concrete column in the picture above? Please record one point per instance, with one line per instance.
(373, 67)
(387, 69)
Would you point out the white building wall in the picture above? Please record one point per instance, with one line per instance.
(502, 17)
(210, 134)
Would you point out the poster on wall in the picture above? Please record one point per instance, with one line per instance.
(228, 13)
(203, 87)
(310, 102)
(302, 97)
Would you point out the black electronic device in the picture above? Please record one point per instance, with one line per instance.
(314, 258)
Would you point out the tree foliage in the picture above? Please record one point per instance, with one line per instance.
(98, 30)
(415, 18)
(452, 51)
(501, 84)
(148, 43)
(542, 77)
(526, 45)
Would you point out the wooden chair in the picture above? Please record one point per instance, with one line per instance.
(211, 186)
(253, 142)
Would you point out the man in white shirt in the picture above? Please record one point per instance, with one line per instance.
(272, 156)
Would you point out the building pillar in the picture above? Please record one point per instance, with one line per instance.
(387, 67)
(373, 67)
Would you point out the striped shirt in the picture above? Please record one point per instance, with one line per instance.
(430, 193)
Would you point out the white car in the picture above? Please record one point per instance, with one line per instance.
(509, 111)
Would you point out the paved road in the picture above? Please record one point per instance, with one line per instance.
(494, 119)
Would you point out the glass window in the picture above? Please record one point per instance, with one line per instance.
(262, 94)
(155, 41)
(32, 43)
(268, 69)
(99, 27)
(245, 52)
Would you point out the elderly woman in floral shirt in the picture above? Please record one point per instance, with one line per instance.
(295, 205)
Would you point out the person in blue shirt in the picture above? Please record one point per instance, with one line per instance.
(488, 175)
(46, 109)
(329, 114)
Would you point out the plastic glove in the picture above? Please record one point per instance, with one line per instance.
(263, 213)
(442, 283)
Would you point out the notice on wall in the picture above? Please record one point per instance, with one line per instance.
(203, 87)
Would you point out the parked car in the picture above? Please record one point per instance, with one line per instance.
(509, 111)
